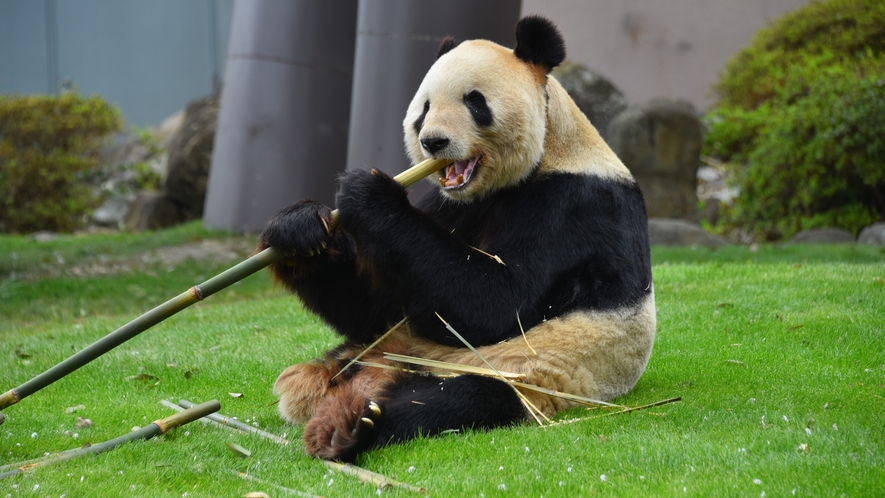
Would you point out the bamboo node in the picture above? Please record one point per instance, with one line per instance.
(197, 292)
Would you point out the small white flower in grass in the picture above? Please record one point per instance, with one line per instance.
(762, 494)
(786, 419)
(807, 431)
(757, 481)
(81, 478)
(330, 482)
(120, 472)
(184, 495)
(603, 478)
(793, 491)
(33, 435)
(36, 487)
(378, 491)
(835, 428)
(641, 478)
(568, 469)
(411, 469)
(75, 435)
(560, 484)
(527, 449)
(187, 433)
(500, 468)
(46, 454)
(502, 487)
(132, 486)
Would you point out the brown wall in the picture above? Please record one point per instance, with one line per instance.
(659, 48)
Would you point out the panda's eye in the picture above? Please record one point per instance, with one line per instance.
(479, 108)
(419, 123)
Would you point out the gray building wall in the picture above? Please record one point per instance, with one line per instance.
(150, 58)
(659, 48)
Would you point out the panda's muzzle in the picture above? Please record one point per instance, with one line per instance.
(457, 174)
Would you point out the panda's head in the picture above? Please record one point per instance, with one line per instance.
(483, 106)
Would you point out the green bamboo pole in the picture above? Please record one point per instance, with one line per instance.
(156, 428)
(180, 302)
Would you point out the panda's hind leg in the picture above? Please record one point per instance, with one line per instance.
(350, 422)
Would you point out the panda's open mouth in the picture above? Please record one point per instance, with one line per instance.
(457, 174)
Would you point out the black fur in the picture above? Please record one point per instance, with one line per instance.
(539, 42)
(419, 123)
(447, 44)
(416, 404)
(569, 242)
(479, 109)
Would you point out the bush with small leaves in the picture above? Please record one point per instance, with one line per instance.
(48, 144)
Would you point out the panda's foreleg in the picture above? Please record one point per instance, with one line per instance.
(351, 421)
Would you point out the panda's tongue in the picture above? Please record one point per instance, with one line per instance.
(459, 172)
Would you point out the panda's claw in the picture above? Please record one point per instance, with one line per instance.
(375, 409)
(368, 421)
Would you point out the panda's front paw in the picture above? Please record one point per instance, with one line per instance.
(341, 432)
(366, 195)
(302, 229)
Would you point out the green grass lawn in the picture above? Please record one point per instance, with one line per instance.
(778, 355)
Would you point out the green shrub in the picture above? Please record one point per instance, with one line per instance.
(801, 117)
(47, 144)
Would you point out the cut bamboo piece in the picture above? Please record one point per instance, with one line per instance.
(367, 476)
(288, 491)
(156, 428)
(236, 424)
(180, 302)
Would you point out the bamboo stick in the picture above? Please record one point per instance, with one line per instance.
(288, 491)
(156, 428)
(226, 421)
(178, 303)
(367, 476)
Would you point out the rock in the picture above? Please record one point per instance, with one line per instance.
(190, 154)
(660, 142)
(675, 232)
(152, 211)
(113, 211)
(873, 234)
(596, 96)
(823, 236)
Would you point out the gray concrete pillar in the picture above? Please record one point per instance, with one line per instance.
(283, 121)
(396, 44)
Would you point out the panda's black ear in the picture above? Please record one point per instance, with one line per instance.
(539, 42)
(447, 44)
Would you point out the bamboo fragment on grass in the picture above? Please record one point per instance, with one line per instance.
(619, 412)
(236, 424)
(180, 302)
(156, 428)
(288, 491)
(367, 476)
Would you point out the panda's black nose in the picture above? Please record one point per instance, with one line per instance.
(434, 145)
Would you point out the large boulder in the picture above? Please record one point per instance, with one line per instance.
(823, 236)
(190, 154)
(596, 96)
(660, 142)
(873, 234)
(152, 211)
(670, 232)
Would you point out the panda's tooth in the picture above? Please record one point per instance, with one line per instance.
(460, 179)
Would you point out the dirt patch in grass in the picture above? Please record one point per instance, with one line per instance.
(216, 251)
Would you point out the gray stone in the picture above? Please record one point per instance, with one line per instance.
(675, 232)
(112, 212)
(660, 142)
(873, 234)
(823, 236)
(596, 96)
(190, 153)
(152, 211)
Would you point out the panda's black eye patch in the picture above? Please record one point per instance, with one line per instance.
(419, 123)
(479, 108)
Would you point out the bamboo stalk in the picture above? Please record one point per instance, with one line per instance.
(178, 303)
(367, 476)
(288, 491)
(156, 428)
(226, 421)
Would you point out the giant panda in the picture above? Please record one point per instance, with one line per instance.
(568, 303)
